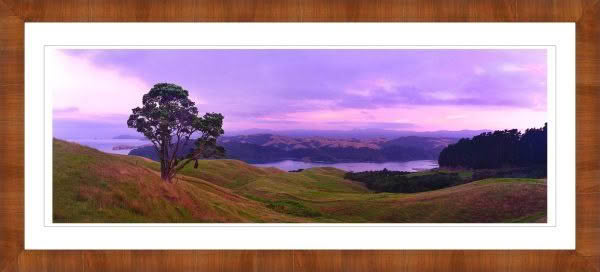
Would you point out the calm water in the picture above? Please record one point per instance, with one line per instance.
(106, 145)
(409, 166)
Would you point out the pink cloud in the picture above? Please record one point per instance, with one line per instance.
(85, 91)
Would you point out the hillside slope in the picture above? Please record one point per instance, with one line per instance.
(91, 186)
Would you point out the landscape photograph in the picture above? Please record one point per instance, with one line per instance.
(298, 135)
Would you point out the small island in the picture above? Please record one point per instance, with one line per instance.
(124, 147)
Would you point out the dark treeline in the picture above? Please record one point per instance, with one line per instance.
(403, 182)
(502, 148)
(535, 172)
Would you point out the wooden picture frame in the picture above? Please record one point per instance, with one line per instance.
(13, 14)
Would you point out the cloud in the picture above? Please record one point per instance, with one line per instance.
(478, 70)
(368, 125)
(83, 90)
(509, 67)
(197, 99)
(457, 116)
(65, 110)
(305, 88)
(363, 92)
(407, 96)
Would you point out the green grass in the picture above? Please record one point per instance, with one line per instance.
(511, 180)
(293, 208)
(91, 186)
(528, 218)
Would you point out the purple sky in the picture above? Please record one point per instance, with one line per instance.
(399, 89)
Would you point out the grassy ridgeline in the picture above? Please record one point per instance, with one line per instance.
(91, 186)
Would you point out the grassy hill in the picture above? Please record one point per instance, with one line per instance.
(91, 186)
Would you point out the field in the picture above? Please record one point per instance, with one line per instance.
(91, 186)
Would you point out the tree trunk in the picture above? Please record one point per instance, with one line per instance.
(164, 170)
(164, 161)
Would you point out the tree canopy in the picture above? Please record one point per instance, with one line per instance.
(404, 182)
(169, 119)
(498, 149)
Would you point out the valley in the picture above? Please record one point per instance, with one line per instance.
(92, 186)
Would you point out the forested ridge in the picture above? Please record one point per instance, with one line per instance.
(498, 149)
(498, 154)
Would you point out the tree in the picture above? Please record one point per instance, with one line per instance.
(498, 149)
(168, 118)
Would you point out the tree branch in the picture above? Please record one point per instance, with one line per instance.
(196, 155)
(174, 156)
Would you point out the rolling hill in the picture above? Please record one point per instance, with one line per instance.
(265, 148)
(91, 186)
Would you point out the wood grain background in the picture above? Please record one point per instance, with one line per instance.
(14, 12)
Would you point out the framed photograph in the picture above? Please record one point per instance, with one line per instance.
(258, 144)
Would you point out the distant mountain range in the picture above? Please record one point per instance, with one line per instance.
(265, 148)
(360, 133)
